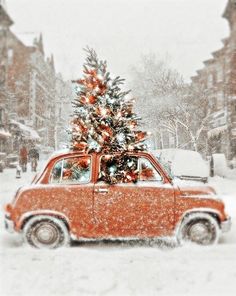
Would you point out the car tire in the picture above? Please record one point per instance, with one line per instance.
(199, 228)
(45, 232)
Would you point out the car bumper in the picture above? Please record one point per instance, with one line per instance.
(226, 225)
(9, 225)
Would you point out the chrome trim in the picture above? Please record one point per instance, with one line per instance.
(193, 178)
(226, 225)
(9, 224)
(101, 190)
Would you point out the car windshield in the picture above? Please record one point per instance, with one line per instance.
(166, 167)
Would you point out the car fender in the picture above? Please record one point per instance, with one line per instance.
(195, 211)
(28, 215)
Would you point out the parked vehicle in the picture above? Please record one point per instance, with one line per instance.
(2, 161)
(12, 160)
(68, 200)
(185, 164)
(218, 165)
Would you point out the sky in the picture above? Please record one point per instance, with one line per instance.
(121, 31)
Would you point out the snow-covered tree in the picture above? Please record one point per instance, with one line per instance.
(192, 114)
(103, 119)
(171, 107)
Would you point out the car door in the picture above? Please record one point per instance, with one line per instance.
(144, 208)
(156, 199)
(72, 188)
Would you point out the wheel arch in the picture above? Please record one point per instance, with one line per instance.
(212, 212)
(190, 216)
(29, 215)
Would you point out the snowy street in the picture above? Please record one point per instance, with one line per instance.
(127, 111)
(115, 268)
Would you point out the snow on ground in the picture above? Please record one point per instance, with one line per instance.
(117, 268)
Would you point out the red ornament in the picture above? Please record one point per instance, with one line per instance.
(106, 132)
(92, 99)
(83, 163)
(80, 146)
(67, 173)
(130, 177)
(147, 174)
(83, 100)
(140, 136)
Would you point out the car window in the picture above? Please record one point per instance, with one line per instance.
(166, 165)
(127, 169)
(73, 170)
(118, 169)
(147, 172)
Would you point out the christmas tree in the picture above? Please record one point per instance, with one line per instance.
(103, 119)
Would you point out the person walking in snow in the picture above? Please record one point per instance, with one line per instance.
(34, 157)
(23, 158)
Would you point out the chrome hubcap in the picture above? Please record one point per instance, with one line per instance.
(200, 233)
(46, 234)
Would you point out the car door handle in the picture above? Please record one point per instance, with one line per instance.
(101, 190)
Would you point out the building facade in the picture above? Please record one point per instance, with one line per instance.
(28, 89)
(5, 23)
(219, 80)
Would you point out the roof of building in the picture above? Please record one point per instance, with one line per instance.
(4, 17)
(209, 62)
(27, 131)
(218, 52)
(231, 5)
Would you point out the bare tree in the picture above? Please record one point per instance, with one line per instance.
(156, 86)
(168, 105)
(193, 113)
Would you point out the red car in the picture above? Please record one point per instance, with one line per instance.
(70, 200)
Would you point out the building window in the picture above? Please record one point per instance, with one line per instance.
(220, 74)
(1, 117)
(2, 74)
(210, 80)
(220, 101)
(10, 56)
(214, 104)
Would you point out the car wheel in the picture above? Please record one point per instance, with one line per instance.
(46, 232)
(199, 228)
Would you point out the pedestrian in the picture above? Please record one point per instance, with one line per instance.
(34, 158)
(23, 158)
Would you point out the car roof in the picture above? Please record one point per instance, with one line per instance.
(68, 152)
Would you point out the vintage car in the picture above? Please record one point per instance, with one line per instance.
(69, 200)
